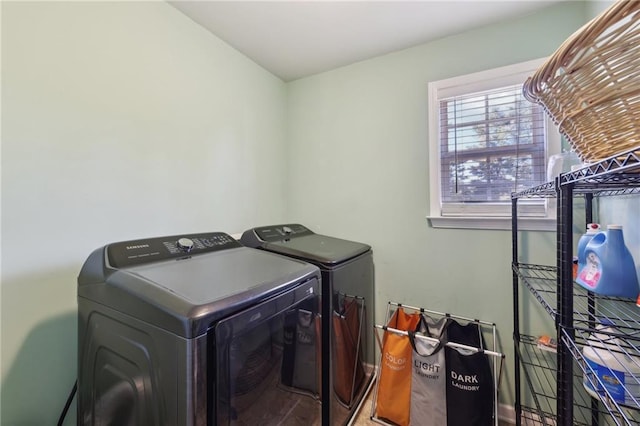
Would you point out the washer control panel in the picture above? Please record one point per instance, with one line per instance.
(281, 232)
(135, 252)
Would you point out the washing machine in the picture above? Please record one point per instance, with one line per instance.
(197, 330)
(347, 310)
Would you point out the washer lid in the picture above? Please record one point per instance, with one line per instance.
(298, 241)
(186, 294)
(319, 248)
(220, 278)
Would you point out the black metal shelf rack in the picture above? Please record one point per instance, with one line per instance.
(540, 370)
(554, 381)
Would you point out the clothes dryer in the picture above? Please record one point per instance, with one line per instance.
(193, 330)
(347, 310)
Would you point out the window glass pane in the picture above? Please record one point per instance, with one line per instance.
(488, 179)
(503, 133)
(502, 99)
(529, 173)
(492, 144)
(466, 138)
(461, 111)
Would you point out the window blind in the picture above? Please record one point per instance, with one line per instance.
(492, 143)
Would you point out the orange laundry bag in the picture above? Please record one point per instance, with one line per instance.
(348, 371)
(394, 383)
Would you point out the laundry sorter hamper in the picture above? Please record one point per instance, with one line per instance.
(436, 369)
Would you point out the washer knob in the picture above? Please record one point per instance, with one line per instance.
(185, 244)
(287, 230)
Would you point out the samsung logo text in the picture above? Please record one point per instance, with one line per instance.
(139, 246)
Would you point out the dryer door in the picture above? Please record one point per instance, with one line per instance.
(266, 362)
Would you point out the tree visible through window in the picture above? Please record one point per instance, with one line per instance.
(492, 144)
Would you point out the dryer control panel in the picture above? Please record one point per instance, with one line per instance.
(135, 252)
(281, 232)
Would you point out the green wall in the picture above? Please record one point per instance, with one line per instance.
(359, 166)
(120, 120)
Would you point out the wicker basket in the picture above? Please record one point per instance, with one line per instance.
(591, 85)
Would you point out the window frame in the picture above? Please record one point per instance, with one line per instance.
(483, 215)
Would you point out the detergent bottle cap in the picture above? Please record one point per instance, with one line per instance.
(592, 228)
(614, 226)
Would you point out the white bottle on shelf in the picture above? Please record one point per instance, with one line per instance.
(561, 163)
(612, 365)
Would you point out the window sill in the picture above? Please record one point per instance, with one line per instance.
(493, 223)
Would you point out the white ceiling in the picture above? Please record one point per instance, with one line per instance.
(294, 39)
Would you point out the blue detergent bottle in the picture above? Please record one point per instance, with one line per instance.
(609, 269)
(592, 230)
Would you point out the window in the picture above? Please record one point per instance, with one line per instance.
(487, 141)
